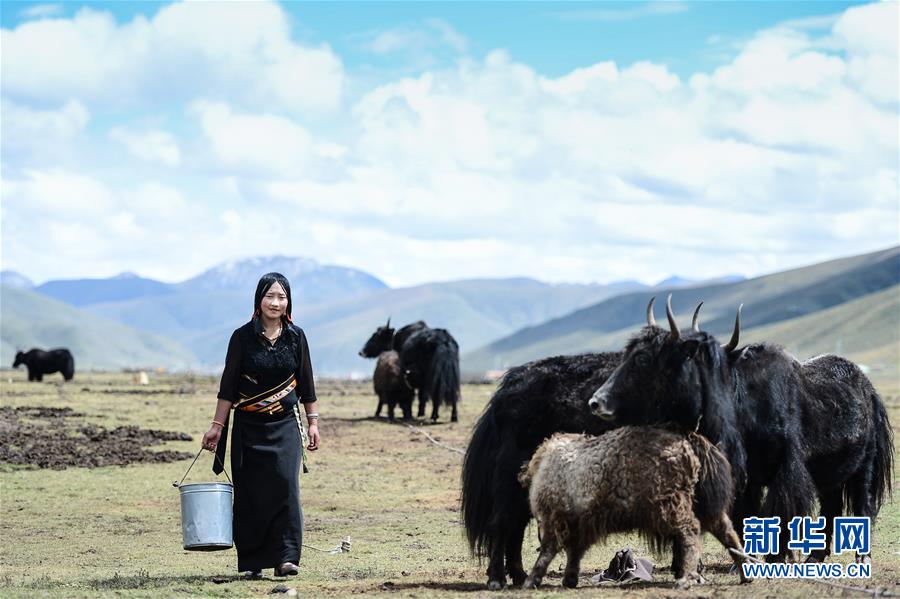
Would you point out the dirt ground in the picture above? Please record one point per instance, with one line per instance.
(109, 530)
(46, 438)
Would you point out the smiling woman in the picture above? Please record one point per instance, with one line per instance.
(267, 373)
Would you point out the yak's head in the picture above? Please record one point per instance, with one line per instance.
(20, 359)
(379, 341)
(668, 377)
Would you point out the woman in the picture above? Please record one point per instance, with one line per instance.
(267, 373)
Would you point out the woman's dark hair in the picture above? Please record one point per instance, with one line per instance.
(265, 282)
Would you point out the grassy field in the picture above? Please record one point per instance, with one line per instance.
(115, 531)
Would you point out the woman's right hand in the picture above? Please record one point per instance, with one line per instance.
(211, 437)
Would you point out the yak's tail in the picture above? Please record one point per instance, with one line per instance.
(714, 492)
(883, 459)
(443, 385)
(477, 501)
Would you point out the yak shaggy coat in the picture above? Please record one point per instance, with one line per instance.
(668, 486)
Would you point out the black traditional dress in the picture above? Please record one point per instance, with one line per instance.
(265, 382)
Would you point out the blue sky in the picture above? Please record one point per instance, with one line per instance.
(554, 38)
(424, 141)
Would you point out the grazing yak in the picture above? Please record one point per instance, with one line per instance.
(391, 387)
(668, 486)
(40, 362)
(388, 379)
(796, 429)
(429, 359)
(532, 402)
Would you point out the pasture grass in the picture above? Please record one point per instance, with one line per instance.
(116, 532)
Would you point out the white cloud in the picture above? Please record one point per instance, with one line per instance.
(258, 143)
(429, 35)
(236, 50)
(41, 11)
(785, 155)
(153, 146)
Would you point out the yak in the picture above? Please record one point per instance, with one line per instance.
(533, 401)
(796, 429)
(668, 485)
(429, 360)
(388, 379)
(391, 386)
(40, 362)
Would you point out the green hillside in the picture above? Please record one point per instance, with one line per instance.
(776, 298)
(866, 330)
(29, 319)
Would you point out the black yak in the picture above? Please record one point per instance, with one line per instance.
(532, 402)
(429, 360)
(669, 486)
(797, 430)
(40, 362)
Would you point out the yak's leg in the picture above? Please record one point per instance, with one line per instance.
(549, 549)
(435, 404)
(406, 406)
(724, 532)
(514, 540)
(378, 409)
(831, 505)
(423, 399)
(392, 404)
(789, 494)
(746, 505)
(454, 417)
(496, 577)
(677, 561)
(688, 537)
(574, 553)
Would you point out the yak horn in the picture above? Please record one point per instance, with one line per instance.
(388, 325)
(673, 326)
(736, 335)
(651, 322)
(695, 321)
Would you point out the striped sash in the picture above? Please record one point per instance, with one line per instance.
(268, 401)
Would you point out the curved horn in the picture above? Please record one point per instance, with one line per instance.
(674, 334)
(695, 321)
(651, 322)
(388, 325)
(736, 335)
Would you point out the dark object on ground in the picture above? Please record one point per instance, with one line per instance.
(532, 402)
(624, 567)
(41, 437)
(40, 362)
(667, 485)
(797, 430)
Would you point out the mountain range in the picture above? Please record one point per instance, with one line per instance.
(130, 321)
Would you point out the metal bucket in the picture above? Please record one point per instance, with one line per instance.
(206, 516)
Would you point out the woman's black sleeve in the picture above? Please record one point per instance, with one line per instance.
(306, 387)
(231, 376)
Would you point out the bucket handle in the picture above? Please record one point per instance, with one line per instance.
(178, 484)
